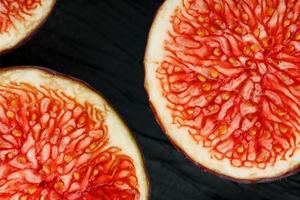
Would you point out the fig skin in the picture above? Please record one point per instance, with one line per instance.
(86, 85)
(30, 34)
(146, 62)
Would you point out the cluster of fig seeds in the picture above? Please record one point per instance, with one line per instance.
(51, 147)
(231, 76)
(12, 10)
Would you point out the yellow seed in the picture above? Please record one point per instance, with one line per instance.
(286, 22)
(287, 35)
(196, 136)
(246, 50)
(68, 158)
(81, 120)
(283, 128)
(14, 103)
(280, 112)
(265, 42)
(245, 17)
(256, 32)
(208, 98)
(201, 32)
(201, 78)
(46, 169)
(236, 162)
(102, 158)
(218, 22)
(212, 136)
(205, 143)
(206, 87)
(201, 19)
(277, 149)
(270, 11)
(99, 135)
(255, 48)
(238, 30)
(214, 73)
(249, 63)
(33, 117)
(69, 128)
(76, 176)
(253, 73)
(213, 29)
(32, 189)
(120, 183)
(240, 149)
(59, 185)
(177, 69)
(17, 133)
(223, 129)
(225, 96)
(10, 114)
(21, 160)
(54, 108)
(92, 146)
(252, 132)
(248, 164)
(217, 52)
(232, 60)
(23, 198)
(213, 107)
(190, 111)
(218, 7)
(297, 36)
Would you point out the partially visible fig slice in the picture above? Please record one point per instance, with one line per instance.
(59, 139)
(19, 19)
(223, 78)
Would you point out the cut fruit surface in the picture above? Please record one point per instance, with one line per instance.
(20, 18)
(59, 139)
(223, 78)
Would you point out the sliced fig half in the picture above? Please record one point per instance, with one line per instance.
(19, 19)
(223, 78)
(59, 139)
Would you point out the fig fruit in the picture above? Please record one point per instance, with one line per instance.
(19, 19)
(223, 78)
(59, 139)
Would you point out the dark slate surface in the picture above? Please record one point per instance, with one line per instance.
(102, 42)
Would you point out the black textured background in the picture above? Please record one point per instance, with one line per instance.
(102, 42)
